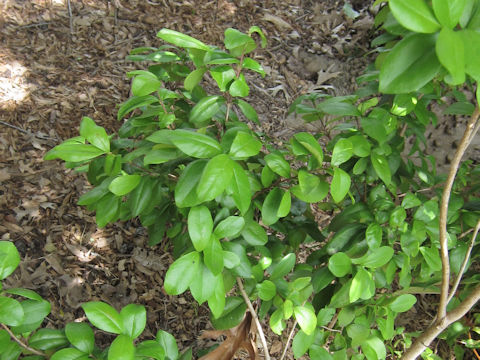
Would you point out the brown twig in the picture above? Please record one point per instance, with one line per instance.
(290, 336)
(464, 264)
(462, 147)
(70, 16)
(25, 346)
(255, 318)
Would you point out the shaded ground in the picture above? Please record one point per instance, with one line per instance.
(57, 66)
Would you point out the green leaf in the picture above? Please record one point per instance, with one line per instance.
(239, 188)
(340, 184)
(200, 226)
(122, 185)
(247, 110)
(223, 75)
(186, 188)
(145, 84)
(178, 39)
(380, 164)
(233, 313)
(397, 217)
(301, 342)
(244, 146)
(254, 234)
(410, 201)
(181, 273)
(374, 349)
(238, 43)
(375, 258)
(150, 349)
(471, 45)
(26, 293)
(361, 146)
(283, 267)
(194, 144)
(266, 290)
(271, 204)
(285, 204)
(415, 15)
(96, 135)
(216, 176)
(310, 189)
(133, 103)
(306, 318)
(107, 209)
(47, 339)
(121, 349)
(340, 264)
(251, 64)
(448, 12)
(362, 286)
(373, 235)
(239, 87)
(203, 285)
(134, 320)
(167, 341)
(194, 78)
(103, 316)
(410, 65)
(206, 108)
(278, 164)
(318, 352)
(338, 106)
(342, 152)
(69, 354)
(74, 152)
(450, 53)
(11, 311)
(432, 257)
(402, 303)
(34, 313)
(213, 256)
(311, 144)
(229, 227)
(9, 257)
(216, 303)
(81, 336)
(277, 324)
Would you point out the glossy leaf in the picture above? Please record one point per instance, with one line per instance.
(301, 343)
(415, 15)
(133, 103)
(213, 256)
(232, 314)
(402, 303)
(26, 293)
(145, 84)
(216, 302)
(340, 264)
(103, 316)
(342, 152)
(374, 349)
(471, 45)
(375, 258)
(285, 204)
(186, 188)
(215, 177)
(181, 273)
(229, 227)
(450, 53)
(270, 207)
(361, 146)
(200, 226)
(254, 234)
(311, 188)
(203, 285)
(168, 343)
(340, 184)
(194, 78)
(223, 75)
(239, 87)
(410, 65)
(206, 108)
(11, 311)
(278, 164)
(266, 290)
(306, 318)
(47, 339)
(181, 40)
(10, 258)
(69, 354)
(311, 144)
(150, 349)
(373, 235)
(34, 313)
(448, 12)
(380, 164)
(244, 146)
(239, 188)
(249, 63)
(81, 336)
(121, 349)
(362, 286)
(283, 267)
(134, 320)
(96, 135)
(194, 144)
(247, 110)
(74, 152)
(122, 185)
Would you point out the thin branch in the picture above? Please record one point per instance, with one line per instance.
(70, 16)
(255, 318)
(25, 346)
(290, 336)
(14, 127)
(464, 264)
(445, 287)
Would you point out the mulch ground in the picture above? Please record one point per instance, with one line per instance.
(62, 60)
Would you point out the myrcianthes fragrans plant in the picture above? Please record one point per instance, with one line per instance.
(240, 211)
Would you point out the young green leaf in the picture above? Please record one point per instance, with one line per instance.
(216, 302)
(278, 164)
(254, 234)
(340, 184)
(194, 78)
(186, 188)
(415, 15)
(134, 320)
(194, 144)
(310, 187)
(34, 313)
(223, 75)
(69, 354)
(374, 349)
(283, 267)
(277, 324)
(238, 43)
(145, 84)
(181, 273)
(150, 349)
(362, 286)
(239, 87)
(200, 226)
(10, 258)
(448, 12)
(103, 316)
(361, 146)
(266, 290)
(244, 146)
(450, 53)
(380, 164)
(123, 184)
(215, 177)
(133, 103)
(402, 303)
(96, 135)
(270, 207)
(203, 285)
(11, 311)
(233, 313)
(74, 152)
(285, 204)
(301, 342)
(121, 349)
(48, 339)
(181, 40)
(306, 318)
(251, 64)
(206, 108)
(373, 235)
(340, 264)
(239, 188)
(311, 144)
(26, 293)
(213, 256)
(375, 258)
(81, 336)
(247, 110)
(229, 227)
(168, 343)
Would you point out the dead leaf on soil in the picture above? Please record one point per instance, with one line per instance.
(237, 338)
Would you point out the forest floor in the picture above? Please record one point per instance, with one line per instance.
(58, 64)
